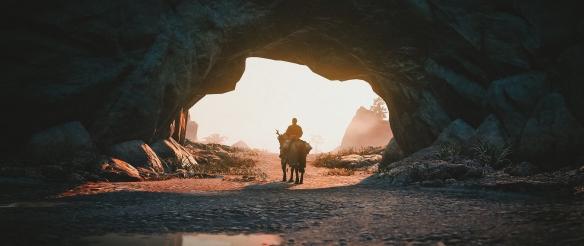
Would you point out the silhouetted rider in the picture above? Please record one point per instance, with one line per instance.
(294, 131)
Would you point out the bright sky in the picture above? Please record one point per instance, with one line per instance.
(269, 94)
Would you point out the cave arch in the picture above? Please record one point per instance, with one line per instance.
(271, 92)
(131, 70)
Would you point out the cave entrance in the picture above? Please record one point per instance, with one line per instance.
(334, 115)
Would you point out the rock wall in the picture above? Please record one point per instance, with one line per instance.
(128, 69)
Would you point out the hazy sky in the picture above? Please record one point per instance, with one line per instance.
(270, 93)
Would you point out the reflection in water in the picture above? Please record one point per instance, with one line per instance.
(184, 239)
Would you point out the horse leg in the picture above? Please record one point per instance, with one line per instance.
(291, 175)
(284, 172)
(302, 175)
(297, 178)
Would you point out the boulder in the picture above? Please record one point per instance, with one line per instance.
(552, 136)
(174, 155)
(491, 131)
(63, 142)
(119, 171)
(514, 97)
(138, 154)
(458, 131)
(392, 152)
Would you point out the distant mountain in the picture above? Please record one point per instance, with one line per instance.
(192, 128)
(366, 129)
(240, 145)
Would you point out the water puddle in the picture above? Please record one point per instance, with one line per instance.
(184, 239)
(32, 205)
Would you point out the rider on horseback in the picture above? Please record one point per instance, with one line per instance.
(294, 131)
(293, 151)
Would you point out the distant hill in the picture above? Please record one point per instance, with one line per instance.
(366, 129)
(240, 145)
(192, 128)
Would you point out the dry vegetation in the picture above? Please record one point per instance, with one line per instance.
(487, 154)
(217, 159)
(339, 172)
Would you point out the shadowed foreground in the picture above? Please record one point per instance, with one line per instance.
(353, 214)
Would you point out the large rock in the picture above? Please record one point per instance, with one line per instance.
(174, 155)
(392, 152)
(492, 132)
(119, 171)
(514, 98)
(552, 134)
(458, 131)
(192, 129)
(138, 154)
(62, 142)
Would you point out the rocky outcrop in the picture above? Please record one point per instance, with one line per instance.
(119, 171)
(366, 129)
(138, 154)
(491, 131)
(192, 129)
(130, 70)
(457, 131)
(392, 152)
(174, 155)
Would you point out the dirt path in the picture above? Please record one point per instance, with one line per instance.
(269, 163)
(326, 210)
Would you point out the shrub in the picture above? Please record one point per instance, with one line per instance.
(492, 155)
(327, 160)
(236, 163)
(340, 172)
(485, 153)
(448, 151)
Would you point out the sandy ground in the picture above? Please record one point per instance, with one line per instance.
(314, 178)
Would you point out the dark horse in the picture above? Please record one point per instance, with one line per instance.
(293, 153)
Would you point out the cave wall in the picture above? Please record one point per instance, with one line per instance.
(128, 69)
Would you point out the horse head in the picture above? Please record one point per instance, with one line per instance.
(281, 137)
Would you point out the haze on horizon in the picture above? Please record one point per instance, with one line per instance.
(269, 94)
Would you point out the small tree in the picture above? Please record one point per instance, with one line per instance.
(379, 108)
(215, 138)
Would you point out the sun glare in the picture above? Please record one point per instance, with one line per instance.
(270, 93)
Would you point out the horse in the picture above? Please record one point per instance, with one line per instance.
(293, 153)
